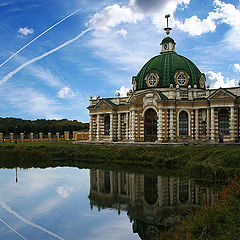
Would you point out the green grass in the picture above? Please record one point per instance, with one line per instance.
(213, 162)
(220, 221)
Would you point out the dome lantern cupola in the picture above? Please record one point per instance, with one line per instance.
(168, 44)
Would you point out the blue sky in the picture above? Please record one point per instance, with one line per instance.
(122, 36)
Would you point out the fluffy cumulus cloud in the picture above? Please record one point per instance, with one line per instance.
(112, 16)
(65, 92)
(216, 80)
(236, 67)
(123, 91)
(137, 10)
(25, 31)
(223, 13)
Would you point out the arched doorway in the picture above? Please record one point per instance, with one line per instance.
(150, 125)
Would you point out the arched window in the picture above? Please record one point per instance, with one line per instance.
(183, 189)
(150, 190)
(223, 121)
(107, 125)
(183, 123)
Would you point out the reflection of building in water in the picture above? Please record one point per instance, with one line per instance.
(151, 202)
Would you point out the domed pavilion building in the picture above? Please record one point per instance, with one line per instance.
(169, 102)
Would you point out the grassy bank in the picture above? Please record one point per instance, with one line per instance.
(219, 221)
(214, 162)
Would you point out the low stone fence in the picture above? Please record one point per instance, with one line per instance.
(40, 138)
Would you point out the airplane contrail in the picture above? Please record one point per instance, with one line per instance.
(9, 75)
(7, 208)
(13, 229)
(39, 36)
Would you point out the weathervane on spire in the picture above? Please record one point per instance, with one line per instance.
(167, 29)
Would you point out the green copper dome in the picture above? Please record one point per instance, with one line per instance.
(169, 68)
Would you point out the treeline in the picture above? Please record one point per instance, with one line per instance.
(18, 125)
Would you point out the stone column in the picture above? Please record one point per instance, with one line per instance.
(232, 126)
(127, 125)
(119, 126)
(171, 190)
(1, 137)
(160, 190)
(130, 126)
(212, 124)
(171, 125)
(111, 126)
(66, 135)
(133, 126)
(208, 123)
(98, 180)
(90, 127)
(196, 125)
(49, 136)
(111, 182)
(11, 135)
(57, 136)
(133, 188)
(40, 136)
(21, 137)
(119, 183)
(159, 129)
(31, 137)
(98, 127)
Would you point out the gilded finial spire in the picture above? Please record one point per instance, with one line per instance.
(167, 29)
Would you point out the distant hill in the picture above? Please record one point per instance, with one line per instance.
(18, 125)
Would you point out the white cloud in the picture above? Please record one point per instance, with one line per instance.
(236, 67)
(194, 26)
(64, 191)
(223, 13)
(112, 16)
(25, 31)
(122, 32)
(123, 91)
(216, 80)
(65, 92)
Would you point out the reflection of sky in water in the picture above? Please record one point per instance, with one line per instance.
(56, 200)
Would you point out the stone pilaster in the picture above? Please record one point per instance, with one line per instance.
(21, 137)
(171, 190)
(171, 135)
(66, 135)
(31, 136)
(11, 137)
(133, 126)
(91, 128)
(159, 129)
(49, 136)
(98, 127)
(212, 124)
(196, 124)
(57, 136)
(111, 182)
(119, 126)
(208, 123)
(40, 136)
(232, 125)
(111, 126)
(127, 126)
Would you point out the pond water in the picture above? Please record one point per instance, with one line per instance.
(73, 203)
